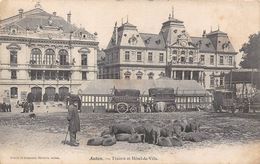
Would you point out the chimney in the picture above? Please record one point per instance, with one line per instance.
(204, 34)
(69, 17)
(54, 13)
(20, 13)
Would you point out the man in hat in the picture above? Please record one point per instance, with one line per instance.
(74, 122)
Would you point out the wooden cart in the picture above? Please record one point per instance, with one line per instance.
(164, 96)
(126, 100)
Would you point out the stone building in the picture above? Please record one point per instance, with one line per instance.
(43, 53)
(172, 52)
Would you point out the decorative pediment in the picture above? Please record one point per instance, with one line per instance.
(13, 46)
(127, 73)
(84, 50)
(139, 73)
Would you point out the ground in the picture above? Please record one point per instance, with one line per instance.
(233, 138)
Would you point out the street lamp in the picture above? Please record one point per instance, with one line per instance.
(70, 72)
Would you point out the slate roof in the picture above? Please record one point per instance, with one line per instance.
(204, 44)
(221, 41)
(153, 41)
(38, 17)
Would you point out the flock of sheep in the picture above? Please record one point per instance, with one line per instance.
(170, 135)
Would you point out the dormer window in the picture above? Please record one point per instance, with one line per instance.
(158, 41)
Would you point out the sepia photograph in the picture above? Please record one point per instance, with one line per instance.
(128, 81)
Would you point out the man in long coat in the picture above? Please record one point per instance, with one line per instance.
(74, 122)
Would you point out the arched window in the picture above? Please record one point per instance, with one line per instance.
(191, 53)
(64, 57)
(49, 56)
(63, 92)
(182, 52)
(174, 52)
(84, 59)
(14, 92)
(36, 56)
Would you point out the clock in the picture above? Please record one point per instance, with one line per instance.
(183, 43)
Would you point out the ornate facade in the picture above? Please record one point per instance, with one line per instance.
(43, 53)
(172, 53)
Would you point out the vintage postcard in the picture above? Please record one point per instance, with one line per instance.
(127, 81)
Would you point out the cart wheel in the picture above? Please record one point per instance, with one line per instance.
(122, 107)
(133, 109)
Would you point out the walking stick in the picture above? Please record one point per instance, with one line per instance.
(66, 136)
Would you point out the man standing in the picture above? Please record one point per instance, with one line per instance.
(74, 122)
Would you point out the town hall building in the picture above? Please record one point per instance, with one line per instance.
(172, 53)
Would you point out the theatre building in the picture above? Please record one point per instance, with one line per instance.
(44, 53)
(172, 52)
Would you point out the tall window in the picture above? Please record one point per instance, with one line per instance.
(36, 56)
(64, 57)
(49, 56)
(183, 59)
(230, 60)
(150, 56)
(13, 74)
(127, 57)
(221, 60)
(190, 59)
(139, 56)
(161, 57)
(182, 52)
(84, 75)
(84, 59)
(202, 58)
(174, 58)
(64, 75)
(221, 81)
(212, 81)
(13, 57)
(14, 92)
(212, 60)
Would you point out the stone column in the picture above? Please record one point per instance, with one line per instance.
(191, 75)
(182, 77)
(174, 75)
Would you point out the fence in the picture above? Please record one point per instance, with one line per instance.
(94, 101)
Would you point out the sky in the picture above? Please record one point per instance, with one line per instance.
(236, 17)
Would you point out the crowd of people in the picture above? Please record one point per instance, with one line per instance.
(5, 107)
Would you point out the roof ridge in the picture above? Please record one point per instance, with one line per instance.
(148, 33)
(23, 13)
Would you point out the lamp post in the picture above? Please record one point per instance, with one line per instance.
(70, 73)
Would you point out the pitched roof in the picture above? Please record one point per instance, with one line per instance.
(34, 18)
(104, 86)
(153, 41)
(204, 44)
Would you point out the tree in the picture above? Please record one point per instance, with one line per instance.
(252, 52)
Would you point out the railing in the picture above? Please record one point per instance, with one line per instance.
(184, 102)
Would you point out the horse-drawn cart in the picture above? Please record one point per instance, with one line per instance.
(163, 98)
(126, 100)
